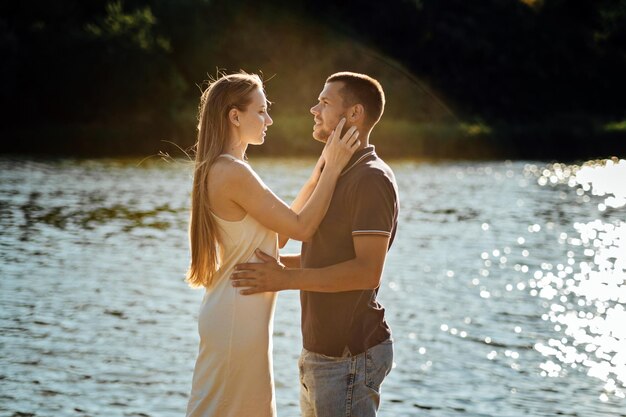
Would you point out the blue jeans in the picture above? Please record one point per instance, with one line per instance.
(347, 386)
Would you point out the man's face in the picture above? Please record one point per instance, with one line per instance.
(328, 111)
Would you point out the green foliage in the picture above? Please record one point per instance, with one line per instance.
(462, 78)
(616, 126)
(136, 27)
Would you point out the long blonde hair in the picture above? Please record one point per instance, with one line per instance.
(220, 97)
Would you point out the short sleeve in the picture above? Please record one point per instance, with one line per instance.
(373, 206)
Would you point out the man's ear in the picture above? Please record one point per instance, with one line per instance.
(233, 116)
(356, 113)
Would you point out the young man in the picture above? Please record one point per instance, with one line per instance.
(347, 342)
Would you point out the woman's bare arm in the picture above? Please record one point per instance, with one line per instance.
(244, 187)
(303, 195)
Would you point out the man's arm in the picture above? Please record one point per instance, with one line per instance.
(362, 272)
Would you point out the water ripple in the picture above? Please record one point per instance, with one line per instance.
(504, 289)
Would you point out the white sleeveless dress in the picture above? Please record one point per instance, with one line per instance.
(233, 375)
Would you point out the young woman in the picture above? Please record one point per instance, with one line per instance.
(233, 213)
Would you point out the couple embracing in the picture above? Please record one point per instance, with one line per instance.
(345, 215)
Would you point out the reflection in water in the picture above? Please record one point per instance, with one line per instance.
(590, 310)
(90, 217)
(585, 294)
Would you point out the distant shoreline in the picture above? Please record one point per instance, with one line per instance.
(393, 139)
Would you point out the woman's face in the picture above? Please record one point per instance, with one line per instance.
(254, 121)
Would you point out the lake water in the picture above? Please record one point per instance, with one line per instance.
(505, 289)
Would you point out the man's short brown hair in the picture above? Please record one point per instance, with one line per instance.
(361, 89)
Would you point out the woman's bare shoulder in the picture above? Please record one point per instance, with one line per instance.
(229, 172)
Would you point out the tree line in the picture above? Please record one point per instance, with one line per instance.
(544, 77)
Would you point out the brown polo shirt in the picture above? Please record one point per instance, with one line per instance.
(365, 202)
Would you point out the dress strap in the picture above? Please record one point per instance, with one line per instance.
(229, 156)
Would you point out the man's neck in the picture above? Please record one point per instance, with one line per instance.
(365, 140)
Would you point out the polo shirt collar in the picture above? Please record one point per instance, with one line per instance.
(358, 157)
